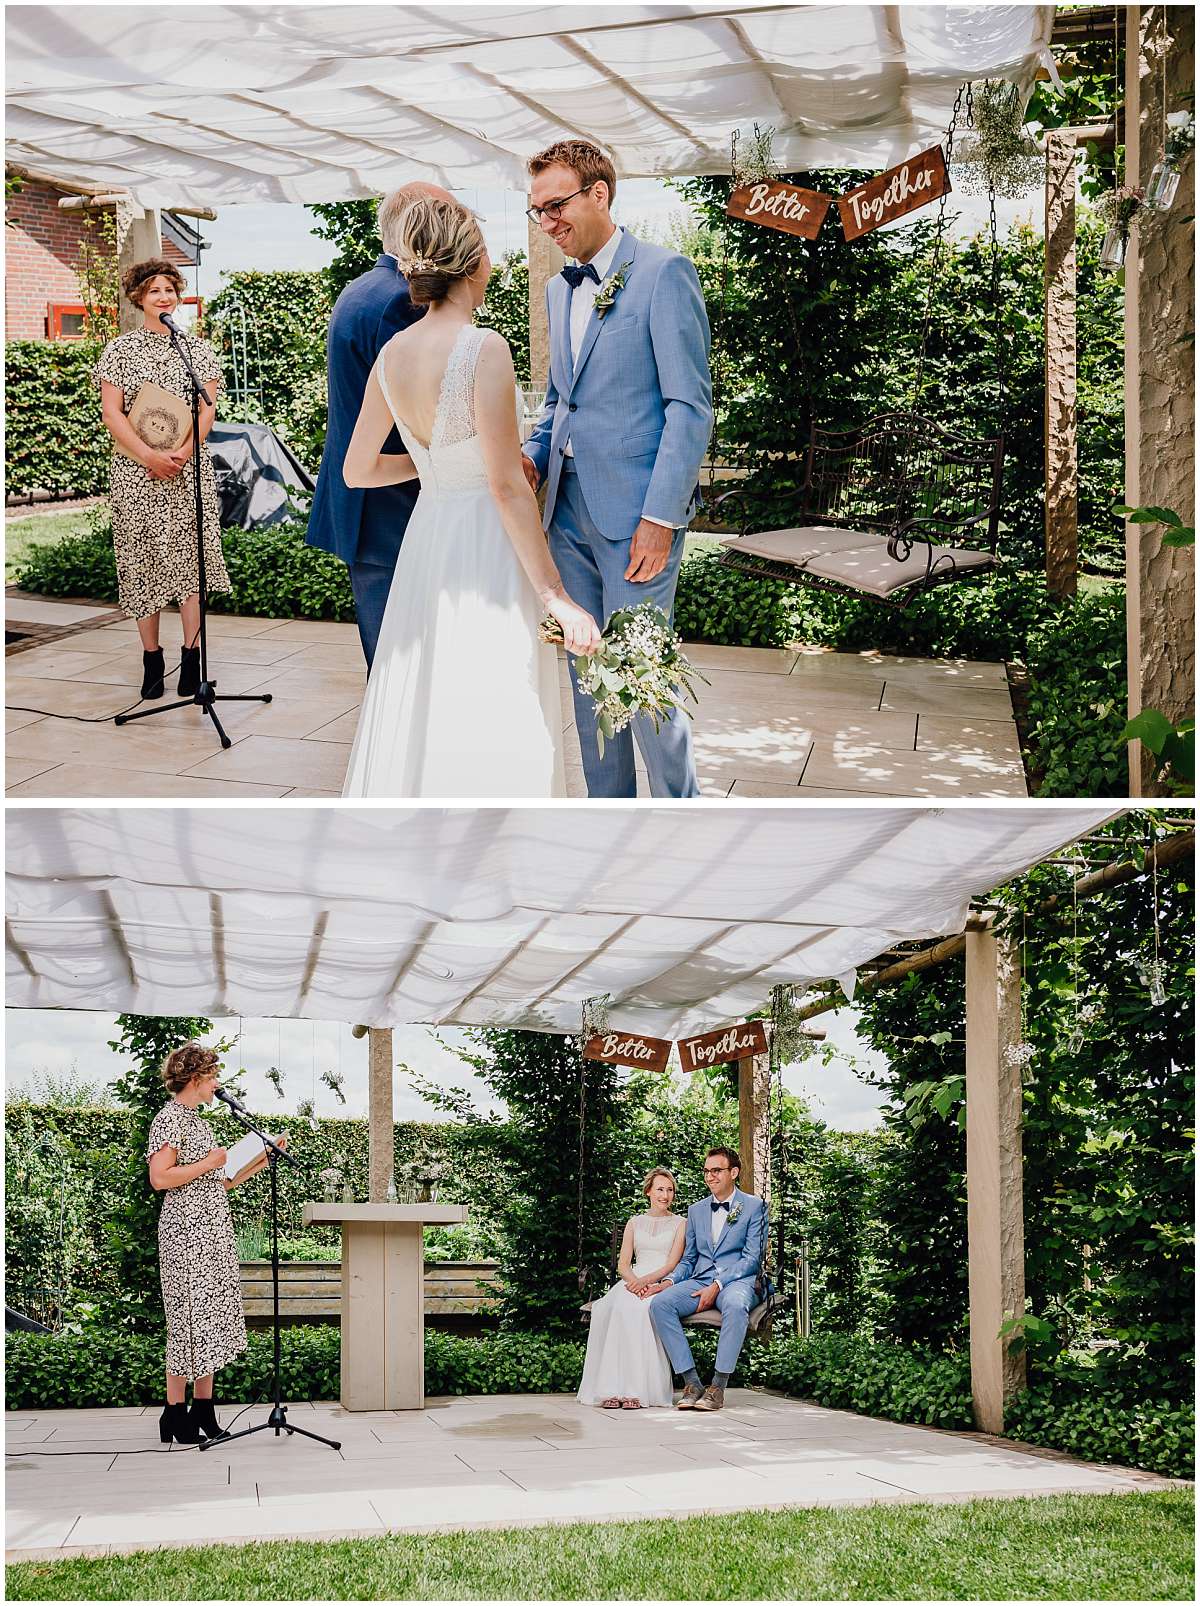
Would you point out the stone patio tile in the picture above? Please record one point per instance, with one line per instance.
(126, 672)
(341, 729)
(946, 733)
(774, 753)
(983, 702)
(327, 683)
(335, 1514)
(41, 611)
(29, 1530)
(417, 1510)
(960, 672)
(327, 654)
(764, 660)
(17, 769)
(889, 773)
(62, 696)
(142, 747)
(56, 662)
(311, 632)
(14, 720)
(281, 761)
(768, 694)
(87, 780)
(217, 625)
(298, 792)
(241, 649)
(589, 1467)
(970, 1477)
(282, 716)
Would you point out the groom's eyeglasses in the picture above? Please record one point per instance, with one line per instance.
(714, 1170)
(553, 209)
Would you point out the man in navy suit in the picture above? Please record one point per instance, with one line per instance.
(365, 527)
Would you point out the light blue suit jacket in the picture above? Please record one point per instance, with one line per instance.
(740, 1251)
(637, 406)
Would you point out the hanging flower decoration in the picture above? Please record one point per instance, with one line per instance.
(1181, 136)
(275, 1077)
(789, 1041)
(1118, 207)
(999, 153)
(333, 1081)
(752, 157)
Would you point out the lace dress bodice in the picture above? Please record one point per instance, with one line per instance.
(452, 462)
(652, 1236)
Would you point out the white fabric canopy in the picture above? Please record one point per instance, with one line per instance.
(513, 917)
(211, 105)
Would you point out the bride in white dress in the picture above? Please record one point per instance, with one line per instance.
(463, 699)
(626, 1365)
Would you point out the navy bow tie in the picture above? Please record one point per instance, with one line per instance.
(719, 1204)
(576, 275)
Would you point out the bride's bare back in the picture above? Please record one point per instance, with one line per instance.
(414, 366)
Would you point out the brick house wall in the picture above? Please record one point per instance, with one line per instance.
(42, 250)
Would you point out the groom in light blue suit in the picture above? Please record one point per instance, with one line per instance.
(722, 1261)
(624, 432)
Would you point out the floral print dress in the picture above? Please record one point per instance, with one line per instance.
(197, 1255)
(154, 521)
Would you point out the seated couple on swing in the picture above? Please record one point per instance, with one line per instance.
(672, 1267)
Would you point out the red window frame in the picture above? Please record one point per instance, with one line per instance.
(56, 310)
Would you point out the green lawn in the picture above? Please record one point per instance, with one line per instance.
(38, 529)
(1063, 1547)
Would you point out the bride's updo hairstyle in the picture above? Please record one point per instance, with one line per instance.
(437, 243)
(652, 1177)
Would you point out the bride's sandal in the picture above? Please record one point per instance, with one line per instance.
(631, 1404)
(614, 1404)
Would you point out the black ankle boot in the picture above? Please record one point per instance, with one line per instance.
(202, 1419)
(153, 670)
(174, 1424)
(189, 672)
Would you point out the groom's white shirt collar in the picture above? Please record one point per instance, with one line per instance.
(603, 259)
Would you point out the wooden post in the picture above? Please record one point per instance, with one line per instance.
(138, 237)
(545, 260)
(754, 1125)
(381, 1136)
(1062, 463)
(995, 1221)
(1160, 391)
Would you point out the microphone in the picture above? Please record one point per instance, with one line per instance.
(228, 1098)
(168, 321)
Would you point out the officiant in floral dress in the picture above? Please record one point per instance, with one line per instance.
(197, 1253)
(152, 491)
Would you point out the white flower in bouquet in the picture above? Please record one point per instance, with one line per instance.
(639, 668)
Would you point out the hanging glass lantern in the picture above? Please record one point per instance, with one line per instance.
(1112, 252)
(1163, 186)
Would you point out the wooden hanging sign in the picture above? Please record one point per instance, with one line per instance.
(629, 1048)
(730, 1043)
(780, 206)
(895, 193)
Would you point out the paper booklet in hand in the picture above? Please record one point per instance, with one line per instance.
(243, 1153)
(160, 418)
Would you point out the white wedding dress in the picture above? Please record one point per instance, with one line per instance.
(463, 699)
(624, 1357)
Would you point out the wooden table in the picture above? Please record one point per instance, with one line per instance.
(383, 1299)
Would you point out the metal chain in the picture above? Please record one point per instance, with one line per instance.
(581, 1268)
(998, 314)
(935, 269)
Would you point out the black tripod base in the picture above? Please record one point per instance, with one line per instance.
(206, 699)
(276, 1423)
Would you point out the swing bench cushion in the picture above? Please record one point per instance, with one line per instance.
(857, 559)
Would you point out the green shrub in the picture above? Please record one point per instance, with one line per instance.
(1105, 1425)
(844, 1373)
(54, 440)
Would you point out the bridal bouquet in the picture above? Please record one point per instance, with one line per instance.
(639, 668)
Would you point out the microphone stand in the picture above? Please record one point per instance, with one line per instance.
(277, 1422)
(207, 696)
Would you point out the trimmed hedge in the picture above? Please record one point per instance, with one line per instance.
(1095, 1422)
(54, 440)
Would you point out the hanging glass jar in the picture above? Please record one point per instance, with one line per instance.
(1112, 252)
(1163, 186)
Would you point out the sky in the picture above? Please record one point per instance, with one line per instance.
(56, 1042)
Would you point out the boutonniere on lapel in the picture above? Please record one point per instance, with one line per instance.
(734, 1213)
(609, 291)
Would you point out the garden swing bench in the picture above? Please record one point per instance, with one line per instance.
(771, 1300)
(900, 503)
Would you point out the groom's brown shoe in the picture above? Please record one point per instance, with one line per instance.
(712, 1399)
(690, 1399)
